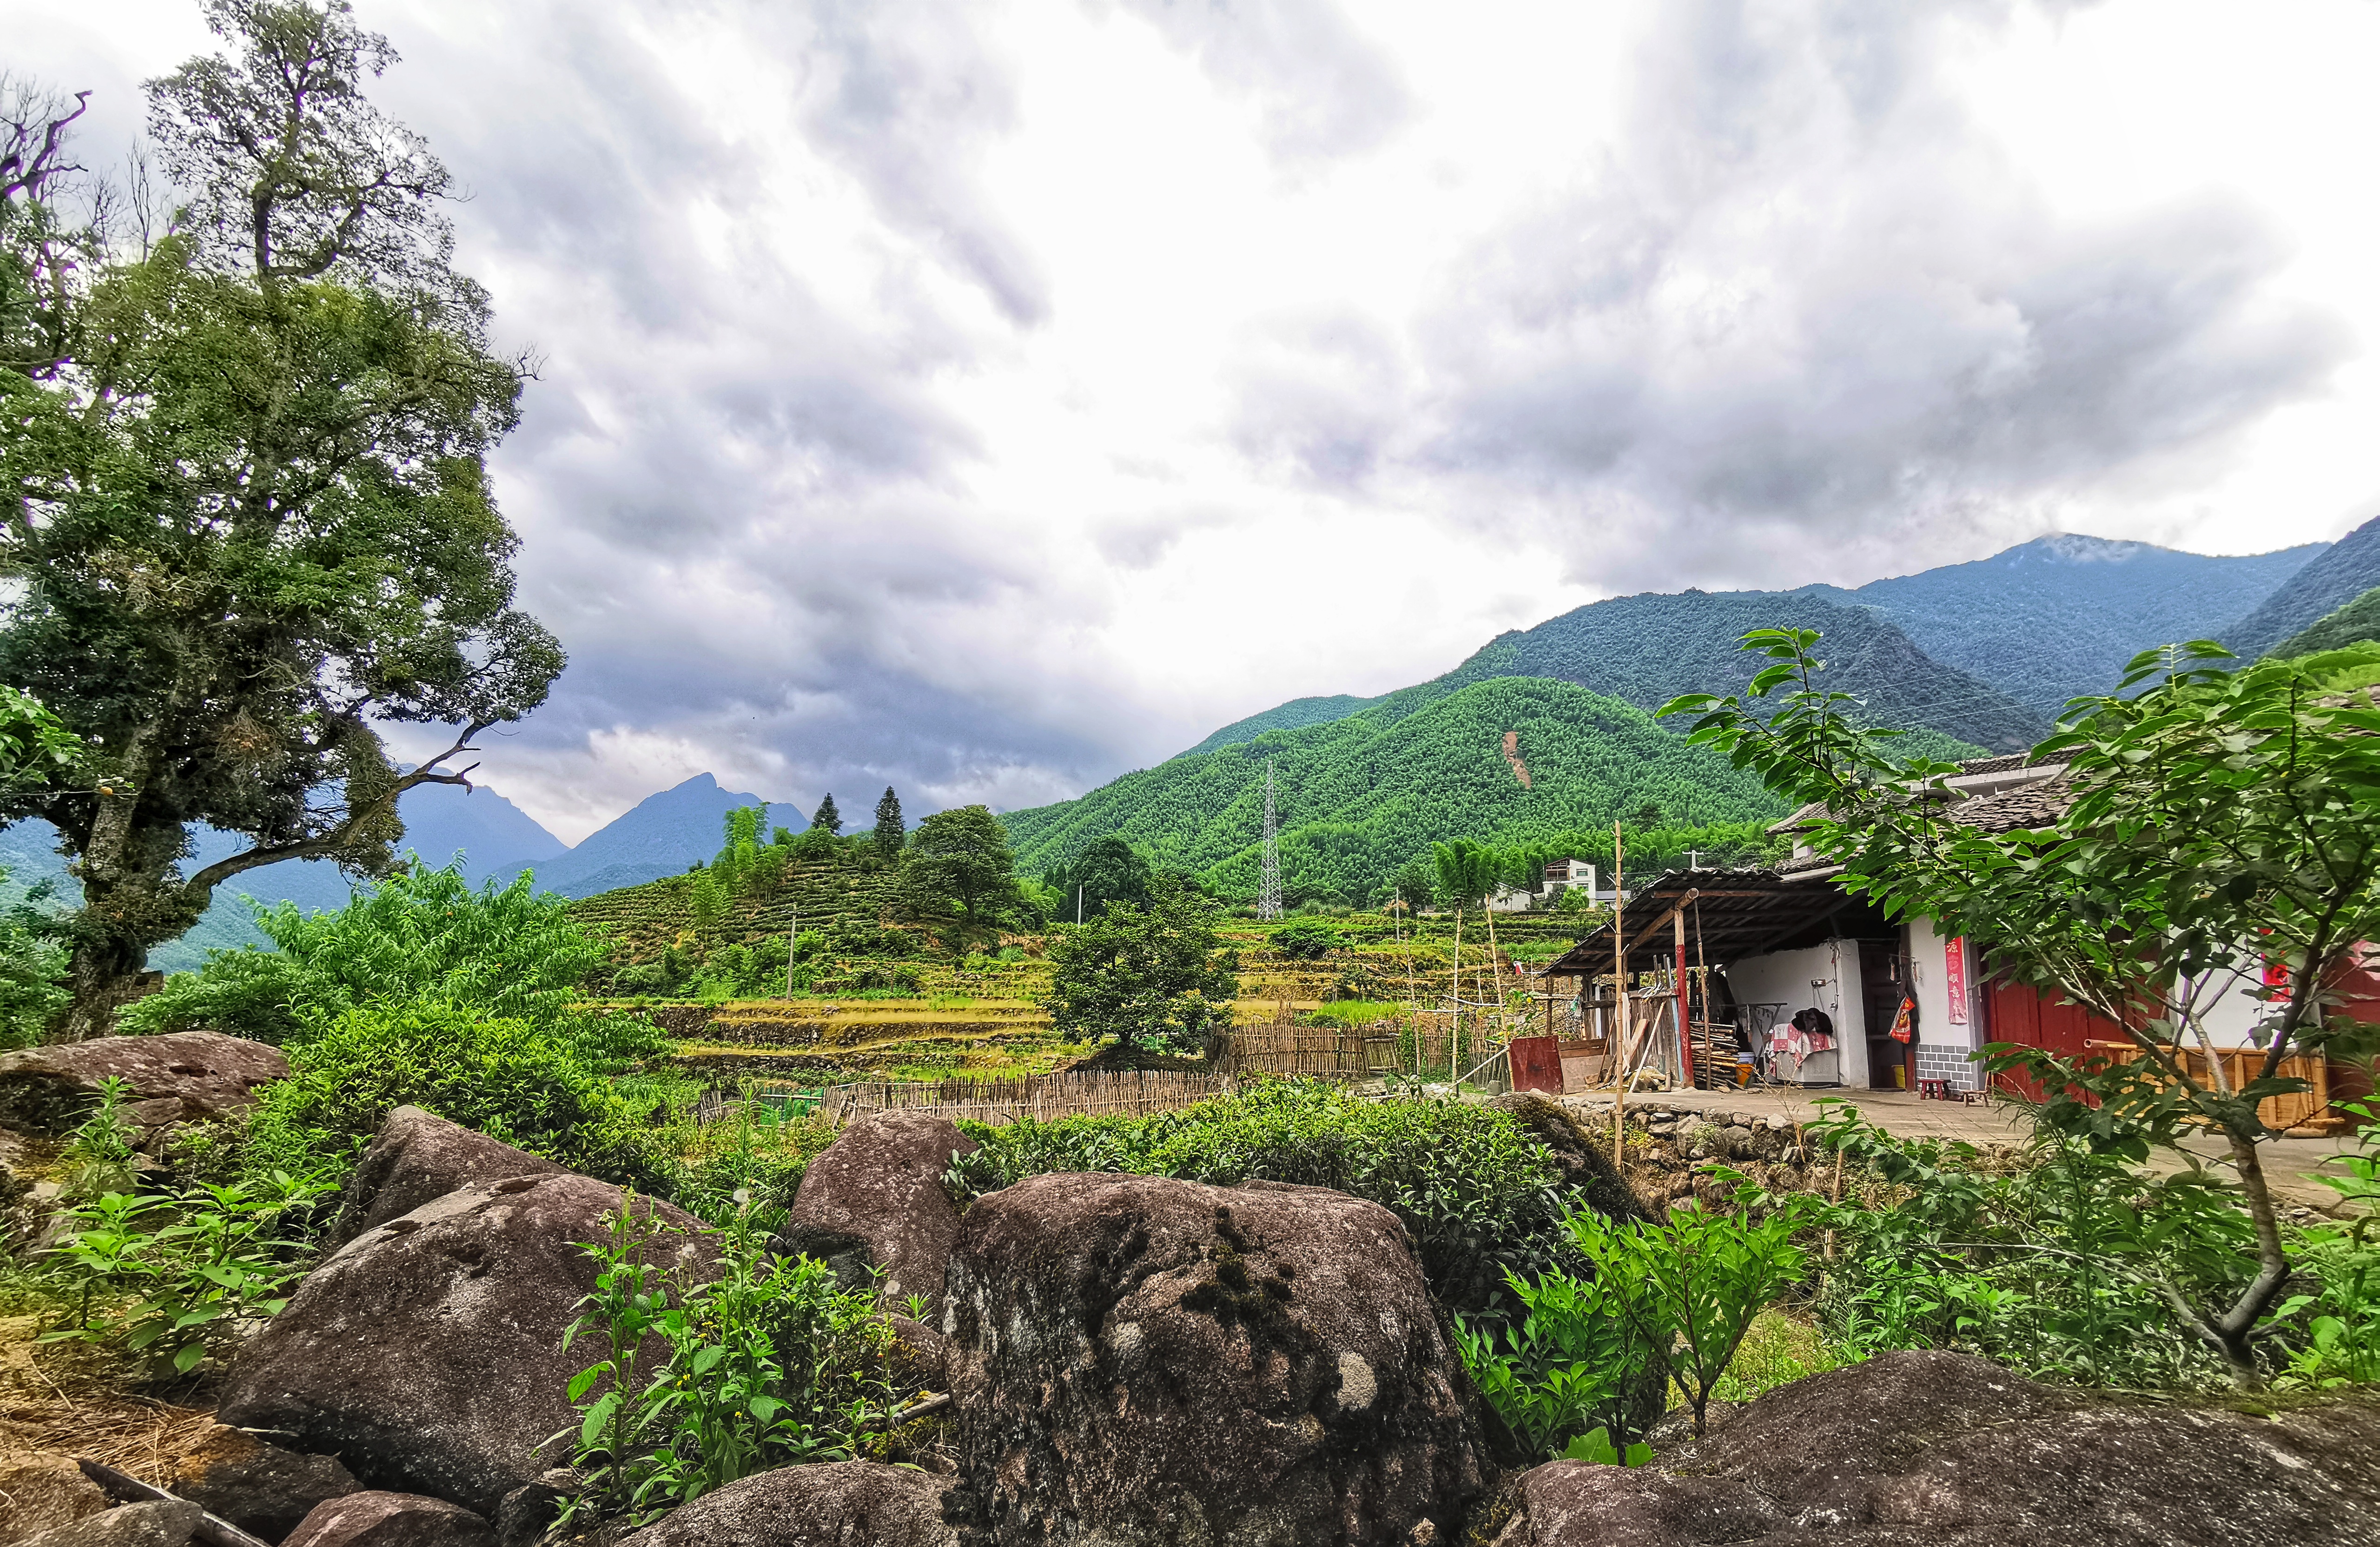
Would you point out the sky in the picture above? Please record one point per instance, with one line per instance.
(988, 398)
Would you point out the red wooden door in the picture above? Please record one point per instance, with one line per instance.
(1536, 1063)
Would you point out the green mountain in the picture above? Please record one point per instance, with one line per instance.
(1293, 715)
(2057, 617)
(2330, 580)
(2356, 623)
(1358, 796)
(1650, 648)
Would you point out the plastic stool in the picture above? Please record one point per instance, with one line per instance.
(1934, 1090)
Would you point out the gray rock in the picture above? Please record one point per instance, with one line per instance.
(261, 1488)
(427, 1354)
(377, 1519)
(417, 1158)
(878, 1186)
(40, 1492)
(1164, 1362)
(1939, 1448)
(834, 1503)
(139, 1525)
(183, 1076)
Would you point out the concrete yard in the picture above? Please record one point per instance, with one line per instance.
(2293, 1163)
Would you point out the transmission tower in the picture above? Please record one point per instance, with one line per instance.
(1268, 894)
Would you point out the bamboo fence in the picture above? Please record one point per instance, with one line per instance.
(1130, 1092)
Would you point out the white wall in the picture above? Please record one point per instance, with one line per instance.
(1784, 977)
(1929, 965)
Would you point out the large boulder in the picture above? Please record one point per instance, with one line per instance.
(834, 1503)
(1940, 1448)
(426, 1353)
(875, 1198)
(377, 1519)
(261, 1488)
(417, 1158)
(1139, 1360)
(183, 1076)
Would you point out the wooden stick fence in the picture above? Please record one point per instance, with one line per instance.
(1131, 1092)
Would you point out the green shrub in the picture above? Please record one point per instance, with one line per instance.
(509, 952)
(33, 964)
(1477, 1192)
(1688, 1286)
(1569, 1362)
(1304, 940)
(2057, 1264)
(507, 1079)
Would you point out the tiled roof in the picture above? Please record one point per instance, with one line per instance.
(2032, 805)
(1995, 765)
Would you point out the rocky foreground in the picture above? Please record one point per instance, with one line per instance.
(1130, 1361)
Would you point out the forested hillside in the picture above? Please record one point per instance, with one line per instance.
(1296, 713)
(1650, 648)
(2058, 617)
(1359, 796)
(2338, 575)
(2356, 623)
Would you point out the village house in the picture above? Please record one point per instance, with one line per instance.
(1772, 944)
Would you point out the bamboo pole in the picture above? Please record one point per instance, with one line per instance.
(1454, 1022)
(1619, 999)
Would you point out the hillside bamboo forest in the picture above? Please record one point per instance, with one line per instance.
(1291, 1141)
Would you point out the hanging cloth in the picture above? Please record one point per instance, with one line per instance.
(1903, 1021)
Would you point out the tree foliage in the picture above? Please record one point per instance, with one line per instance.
(826, 818)
(961, 874)
(2223, 839)
(891, 833)
(1108, 872)
(1154, 975)
(249, 510)
(511, 951)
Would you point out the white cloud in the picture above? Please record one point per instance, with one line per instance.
(987, 398)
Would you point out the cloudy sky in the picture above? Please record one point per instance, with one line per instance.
(989, 397)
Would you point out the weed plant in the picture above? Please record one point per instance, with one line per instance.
(168, 1277)
(770, 1363)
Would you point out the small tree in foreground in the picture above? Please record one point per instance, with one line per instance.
(2223, 839)
(1152, 975)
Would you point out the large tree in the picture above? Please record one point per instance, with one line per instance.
(891, 832)
(250, 519)
(959, 860)
(1155, 974)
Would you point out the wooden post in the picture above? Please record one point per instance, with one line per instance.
(1619, 1001)
(1685, 1026)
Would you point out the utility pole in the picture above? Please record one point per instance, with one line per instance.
(1078, 905)
(1268, 885)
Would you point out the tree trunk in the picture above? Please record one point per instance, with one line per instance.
(104, 974)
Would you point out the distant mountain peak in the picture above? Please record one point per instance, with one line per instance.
(2074, 547)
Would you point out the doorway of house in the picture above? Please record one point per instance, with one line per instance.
(1891, 1065)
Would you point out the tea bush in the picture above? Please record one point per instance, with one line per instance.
(507, 1078)
(1477, 1192)
(2062, 1265)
